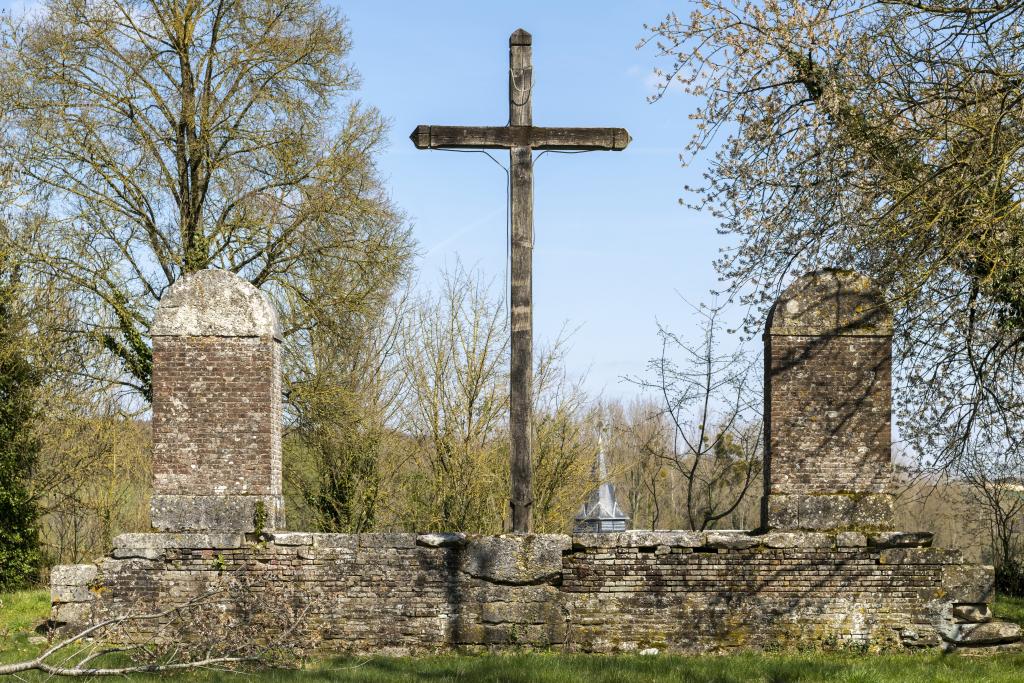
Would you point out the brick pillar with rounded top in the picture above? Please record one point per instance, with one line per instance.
(216, 407)
(828, 404)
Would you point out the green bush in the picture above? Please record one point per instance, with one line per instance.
(1010, 578)
(19, 536)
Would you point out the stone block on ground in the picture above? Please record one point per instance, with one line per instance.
(988, 633)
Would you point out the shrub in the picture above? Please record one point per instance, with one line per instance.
(1010, 578)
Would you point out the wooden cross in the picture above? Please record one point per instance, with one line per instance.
(520, 137)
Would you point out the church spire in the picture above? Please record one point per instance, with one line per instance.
(601, 512)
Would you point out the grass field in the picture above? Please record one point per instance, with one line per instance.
(21, 612)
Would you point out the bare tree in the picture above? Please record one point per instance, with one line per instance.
(454, 369)
(995, 482)
(712, 406)
(346, 398)
(565, 428)
(637, 433)
(454, 357)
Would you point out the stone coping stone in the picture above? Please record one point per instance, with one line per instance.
(920, 556)
(292, 538)
(215, 303)
(442, 540)
(369, 540)
(731, 540)
(640, 539)
(851, 539)
(515, 559)
(901, 539)
(163, 541)
(717, 539)
(796, 539)
(830, 302)
(896, 547)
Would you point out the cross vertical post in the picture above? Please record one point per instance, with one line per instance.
(520, 137)
(520, 112)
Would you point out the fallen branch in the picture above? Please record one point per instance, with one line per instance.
(250, 628)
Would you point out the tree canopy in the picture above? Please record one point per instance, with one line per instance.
(884, 135)
(145, 139)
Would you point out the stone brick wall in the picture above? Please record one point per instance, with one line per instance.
(827, 406)
(213, 403)
(216, 407)
(674, 591)
(217, 463)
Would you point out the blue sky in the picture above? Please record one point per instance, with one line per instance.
(614, 250)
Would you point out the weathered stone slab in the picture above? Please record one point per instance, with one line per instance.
(640, 538)
(940, 556)
(71, 583)
(441, 540)
(181, 513)
(340, 541)
(851, 539)
(515, 559)
(831, 512)
(61, 594)
(968, 584)
(383, 540)
(797, 539)
(292, 539)
(901, 539)
(989, 633)
(73, 574)
(673, 539)
(731, 540)
(138, 553)
(972, 614)
(180, 540)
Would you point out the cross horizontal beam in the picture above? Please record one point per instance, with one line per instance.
(507, 137)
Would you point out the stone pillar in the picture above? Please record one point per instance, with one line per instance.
(216, 407)
(828, 403)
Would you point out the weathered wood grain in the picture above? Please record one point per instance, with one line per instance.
(520, 116)
(507, 137)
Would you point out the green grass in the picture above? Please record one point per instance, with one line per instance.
(1009, 608)
(23, 611)
(20, 613)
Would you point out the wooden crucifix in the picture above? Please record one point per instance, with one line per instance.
(520, 137)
